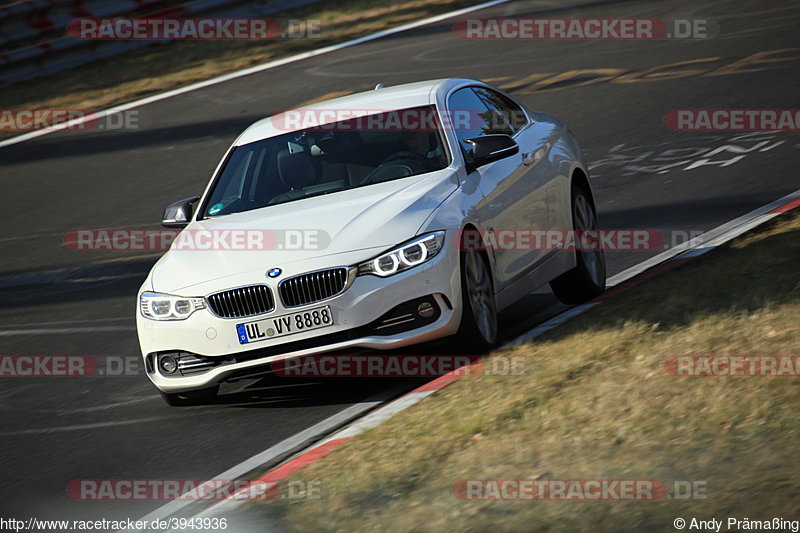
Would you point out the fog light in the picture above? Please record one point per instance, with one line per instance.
(168, 364)
(425, 310)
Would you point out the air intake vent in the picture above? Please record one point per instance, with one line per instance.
(242, 301)
(189, 363)
(313, 287)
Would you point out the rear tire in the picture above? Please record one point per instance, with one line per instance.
(477, 332)
(588, 278)
(195, 397)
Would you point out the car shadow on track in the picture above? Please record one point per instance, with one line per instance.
(267, 390)
(274, 392)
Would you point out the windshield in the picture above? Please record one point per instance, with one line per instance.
(328, 159)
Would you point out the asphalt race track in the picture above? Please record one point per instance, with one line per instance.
(54, 300)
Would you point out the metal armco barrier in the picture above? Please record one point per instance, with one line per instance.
(42, 25)
(23, 21)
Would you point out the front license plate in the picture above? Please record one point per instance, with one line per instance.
(280, 326)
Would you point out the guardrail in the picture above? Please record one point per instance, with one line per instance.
(23, 21)
(34, 31)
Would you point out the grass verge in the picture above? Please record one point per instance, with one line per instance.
(161, 67)
(595, 402)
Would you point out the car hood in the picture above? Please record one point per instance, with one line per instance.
(349, 226)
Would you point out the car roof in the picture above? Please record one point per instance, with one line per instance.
(385, 99)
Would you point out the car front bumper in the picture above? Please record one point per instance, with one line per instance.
(356, 313)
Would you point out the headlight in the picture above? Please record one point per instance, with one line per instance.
(165, 307)
(405, 256)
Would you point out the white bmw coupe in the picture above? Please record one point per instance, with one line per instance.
(388, 182)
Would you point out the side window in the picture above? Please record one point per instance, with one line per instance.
(469, 116)
(477, 111)
(508, 115)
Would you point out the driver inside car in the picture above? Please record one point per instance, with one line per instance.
(420, 150)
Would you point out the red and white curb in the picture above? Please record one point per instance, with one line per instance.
(327, 445)
(670, 259)
(617, 284)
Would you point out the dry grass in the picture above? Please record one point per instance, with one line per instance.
(596, 402)
(160, 67)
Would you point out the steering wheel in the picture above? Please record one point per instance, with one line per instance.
(404, 155)
(398, 165)
(387, 172)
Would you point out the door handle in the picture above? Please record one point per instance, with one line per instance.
(529, 158)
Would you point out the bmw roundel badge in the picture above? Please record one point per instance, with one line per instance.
(274, 272)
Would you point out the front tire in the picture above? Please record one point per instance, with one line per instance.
(477, 332)
(588, 278)
(185, 399)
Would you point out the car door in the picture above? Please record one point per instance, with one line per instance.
(515, 202)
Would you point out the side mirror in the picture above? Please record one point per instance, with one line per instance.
(489, 148)
(177, 215)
